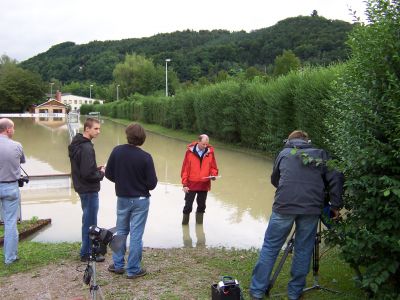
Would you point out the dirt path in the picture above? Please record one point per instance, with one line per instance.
(172, 274)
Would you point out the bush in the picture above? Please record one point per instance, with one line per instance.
(364, 126)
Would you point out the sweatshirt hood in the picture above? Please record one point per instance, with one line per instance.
(297, 143)
(76, 142)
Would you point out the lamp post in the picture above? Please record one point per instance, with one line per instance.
(90, 91)
(51, 89)
(166, 76)
(117, 92)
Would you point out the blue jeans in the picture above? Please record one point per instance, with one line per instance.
(131, 218)
(275, 236)
(9, 196)
(90, 207)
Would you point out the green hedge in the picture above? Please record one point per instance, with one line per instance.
(254, 114)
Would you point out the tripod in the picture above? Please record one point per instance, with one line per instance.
(315, 260)
(89, 276)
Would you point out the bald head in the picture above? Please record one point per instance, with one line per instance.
(203, 141)
(6, 127)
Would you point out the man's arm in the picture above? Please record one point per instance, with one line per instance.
(110, 168)
(214, 167)
(88, 168)
(151, 177)
(276, 173)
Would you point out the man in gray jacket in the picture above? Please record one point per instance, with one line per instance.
(301, 177)
(11, 157)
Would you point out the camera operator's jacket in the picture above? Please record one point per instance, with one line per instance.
(301, 177)
(195, 168)
(85, 175)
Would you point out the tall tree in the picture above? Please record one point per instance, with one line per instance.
(286, 62)
(19, 88)
(138, 74)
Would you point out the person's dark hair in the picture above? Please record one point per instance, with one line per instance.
(298, 134)
(89, 123)
(135, 134)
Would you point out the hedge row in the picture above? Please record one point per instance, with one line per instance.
(255, 114)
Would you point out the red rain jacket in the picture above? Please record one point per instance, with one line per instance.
(195, 170)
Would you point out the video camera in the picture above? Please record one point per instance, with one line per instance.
(102, 237)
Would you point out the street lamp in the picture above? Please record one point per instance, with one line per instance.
(117, 92)
(90, 91)
(51, 89)
(166, 76)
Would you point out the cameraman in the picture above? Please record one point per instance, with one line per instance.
(301, 177)
(11, 157)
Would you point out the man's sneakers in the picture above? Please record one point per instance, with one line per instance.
(86, 258)
(111, 268)
(141, 273)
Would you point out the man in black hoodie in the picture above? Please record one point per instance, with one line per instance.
(86, 177)
(301, 177)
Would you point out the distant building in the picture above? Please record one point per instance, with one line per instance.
(51, 107)
(75, 102)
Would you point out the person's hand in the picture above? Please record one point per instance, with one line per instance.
(335, 214)
(185, 189)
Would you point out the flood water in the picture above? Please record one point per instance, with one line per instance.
(238, 205)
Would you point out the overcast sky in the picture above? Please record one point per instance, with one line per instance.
(29, 27)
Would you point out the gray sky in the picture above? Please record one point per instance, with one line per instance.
(29, 27)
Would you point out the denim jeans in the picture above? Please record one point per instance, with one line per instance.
(90, 207)
(10, 201)
(275, 236)
(131, 218)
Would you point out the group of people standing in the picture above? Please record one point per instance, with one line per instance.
(299, 198)
(133, 173)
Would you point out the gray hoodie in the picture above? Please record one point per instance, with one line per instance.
(301, 186)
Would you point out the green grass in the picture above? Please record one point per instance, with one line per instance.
(25, 224)
(33, 255)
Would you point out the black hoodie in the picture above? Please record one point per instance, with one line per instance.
(85, 175)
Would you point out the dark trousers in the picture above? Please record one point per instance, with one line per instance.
(201, 201)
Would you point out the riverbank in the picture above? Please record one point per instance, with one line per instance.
(188, 137)
(53, 271)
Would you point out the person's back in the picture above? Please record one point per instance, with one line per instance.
(132, 170)
(129, 167)
(301, 177)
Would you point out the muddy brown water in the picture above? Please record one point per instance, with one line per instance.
(238, 205)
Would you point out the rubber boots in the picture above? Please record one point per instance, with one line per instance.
(199, 218)
(185, 219)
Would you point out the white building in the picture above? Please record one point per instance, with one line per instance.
(75, 102)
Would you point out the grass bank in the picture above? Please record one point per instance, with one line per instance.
(181, 273)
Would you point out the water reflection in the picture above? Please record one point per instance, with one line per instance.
(237, 206)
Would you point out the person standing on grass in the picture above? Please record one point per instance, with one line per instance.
(86, 177)
(299, 199)
(11, 157)
(132, 170)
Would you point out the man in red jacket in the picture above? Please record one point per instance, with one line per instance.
(198, 168)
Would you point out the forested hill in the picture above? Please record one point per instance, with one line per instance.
(315, 40)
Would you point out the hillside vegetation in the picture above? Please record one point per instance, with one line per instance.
(314, 39)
